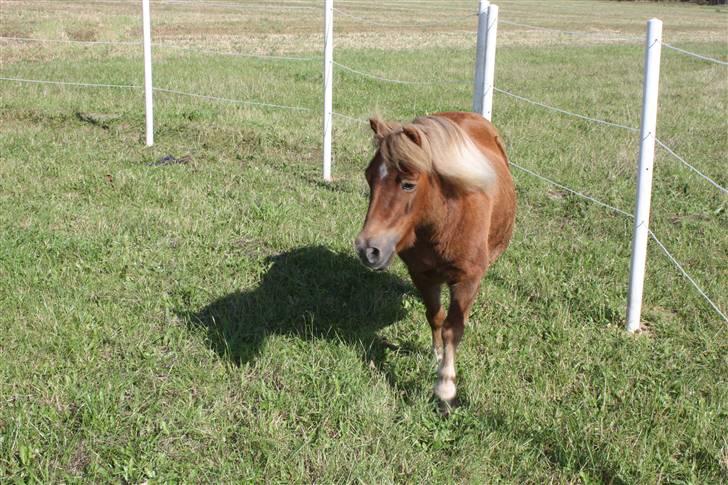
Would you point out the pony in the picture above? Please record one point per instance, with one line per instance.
(442, 198)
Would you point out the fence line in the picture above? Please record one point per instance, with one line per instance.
(373, 22)
(685, 274)
(234, 101)
(669, 150)
(607, 36)
(363, 19)
(503, 91)
(695, 54)
(565, 112)
(350, 118)
(69, 83)
(397, 81)
(165, 45)
(616, 125)
(575, 192)
(161, 90)
(617, 210)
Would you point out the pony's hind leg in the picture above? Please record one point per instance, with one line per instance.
(461, 298)
(435, 314)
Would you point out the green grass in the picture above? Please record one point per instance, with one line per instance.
(209, 322)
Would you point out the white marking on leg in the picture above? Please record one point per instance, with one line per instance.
(383, 170)
(437, 352)
(445, 385)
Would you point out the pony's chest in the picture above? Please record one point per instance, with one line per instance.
(428, 260)
(446, 261)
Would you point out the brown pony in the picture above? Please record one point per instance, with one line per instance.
(443, 199)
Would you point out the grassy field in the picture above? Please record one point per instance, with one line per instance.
(209, 322)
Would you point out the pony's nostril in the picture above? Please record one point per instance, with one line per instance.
(372, 255)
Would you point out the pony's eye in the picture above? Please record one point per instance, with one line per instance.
(408, 186)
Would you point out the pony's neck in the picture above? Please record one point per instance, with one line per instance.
(439, 211)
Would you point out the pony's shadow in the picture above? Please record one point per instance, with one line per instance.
(311, 293)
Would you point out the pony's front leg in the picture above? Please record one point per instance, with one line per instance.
(461, 299)
(430, 292)
(436, 319)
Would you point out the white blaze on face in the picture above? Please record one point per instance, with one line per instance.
(383, 170)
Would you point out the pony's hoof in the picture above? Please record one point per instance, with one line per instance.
(445, 408)
(445, 389)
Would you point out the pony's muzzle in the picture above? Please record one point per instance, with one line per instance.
(376, 253)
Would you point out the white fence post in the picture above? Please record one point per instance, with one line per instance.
(485, 59)
(148, 103)
(480, 56)
(640, 235)
(489, 75)
(328, 84)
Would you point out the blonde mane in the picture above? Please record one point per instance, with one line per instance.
(436, 144)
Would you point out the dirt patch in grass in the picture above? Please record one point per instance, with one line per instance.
(79, 460)
(84, 34)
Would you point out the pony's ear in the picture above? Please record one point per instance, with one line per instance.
(380, 128)
(413, 133)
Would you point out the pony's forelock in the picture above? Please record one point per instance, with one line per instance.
(402, 153)
(436, 144)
